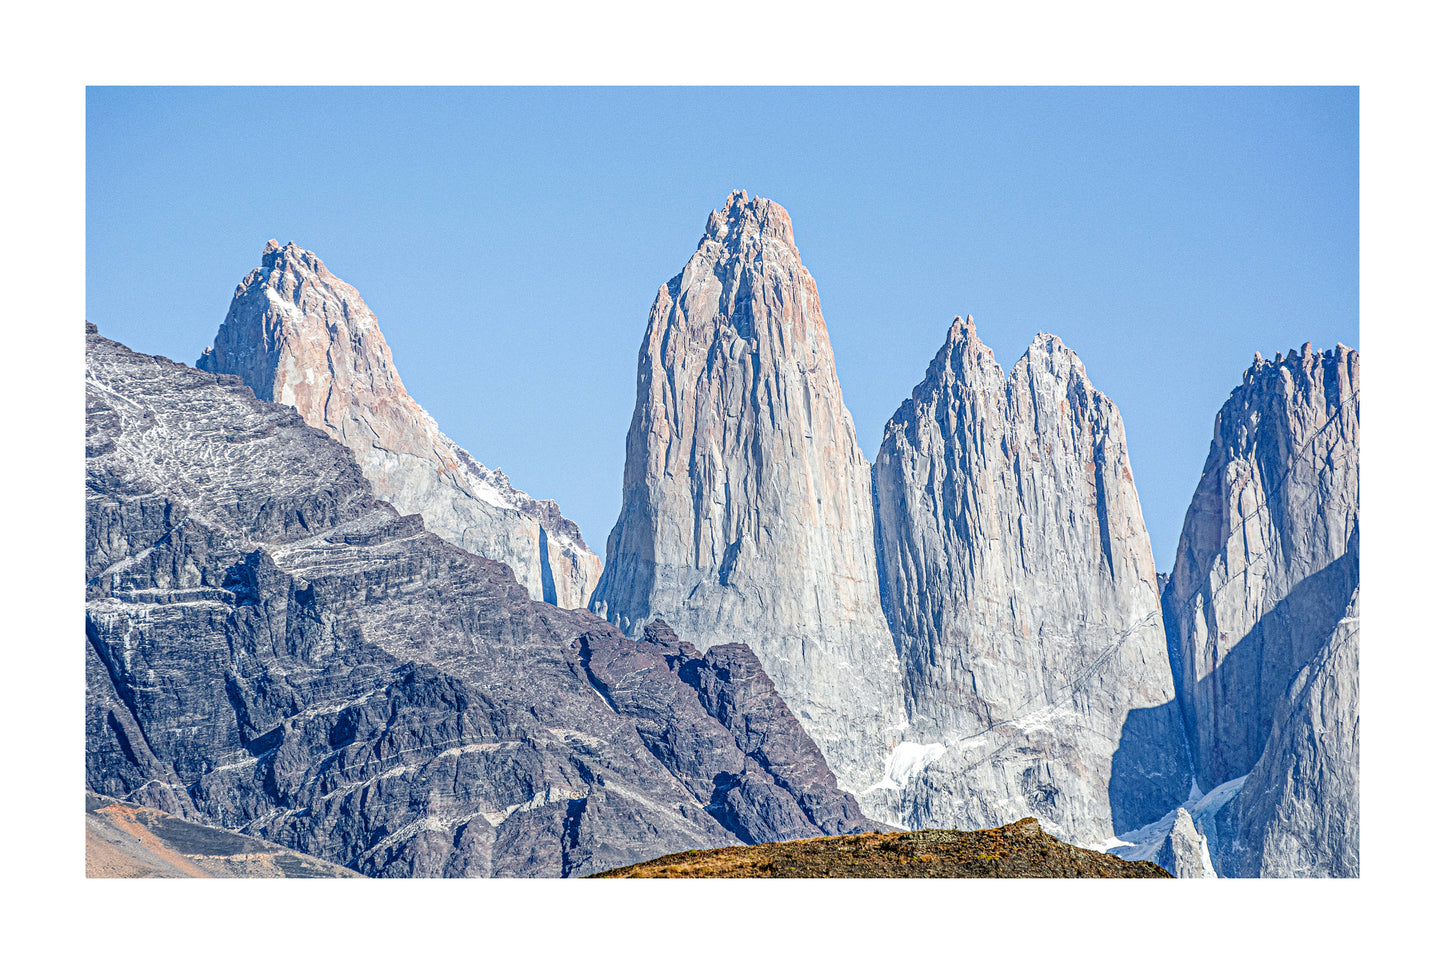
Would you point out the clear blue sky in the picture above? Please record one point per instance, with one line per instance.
(511, 241)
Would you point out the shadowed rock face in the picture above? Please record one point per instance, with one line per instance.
(1269, 554)
(1263, 614)
(747, 513)
(1019, 582)
(298, 335)
(1298, 813)
(272, 650)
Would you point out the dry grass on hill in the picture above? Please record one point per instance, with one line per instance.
(1019, 849)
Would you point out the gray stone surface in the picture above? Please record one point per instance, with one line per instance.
(1184, 852)
(747, 513)
(1019, 581)
(125, 840)
(1298, 812)
(299, 335)
(1269, 553)
(272, 650)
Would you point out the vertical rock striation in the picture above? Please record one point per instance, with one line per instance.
(747, 514)
(299, 335)
(1269, 553)
(1019, 582)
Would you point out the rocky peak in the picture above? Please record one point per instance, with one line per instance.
(1019, 584)
(298, 335)
(1184, 852)
(747, 513)
(745, 226)
(1269, 553)
(962, 352)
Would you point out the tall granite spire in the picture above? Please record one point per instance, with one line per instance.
(1263, 614)
(1269, 555)
(299, 335)
(747, 514)
(1019, 582)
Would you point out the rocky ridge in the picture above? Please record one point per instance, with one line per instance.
(298, 335)
(747, 512)
(272, 650)
(1018, 580)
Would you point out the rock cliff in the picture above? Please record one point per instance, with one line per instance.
(272, 650)
(1269, 553)
(1018, 579)
(747, 513)
(1298, 812)
(298, 335)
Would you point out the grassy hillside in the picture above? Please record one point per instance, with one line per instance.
(1019, 849)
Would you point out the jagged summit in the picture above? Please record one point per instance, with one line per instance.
(741, 221)
(963, 355)
(299, 260)
(298, 335)
(1018, 581)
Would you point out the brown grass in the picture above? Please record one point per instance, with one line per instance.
(1019, 849)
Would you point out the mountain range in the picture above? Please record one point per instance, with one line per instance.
(312, 618)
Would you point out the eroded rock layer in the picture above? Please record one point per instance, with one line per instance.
(1019, 582)
(272, 650)
(747, 514)
(298, 335)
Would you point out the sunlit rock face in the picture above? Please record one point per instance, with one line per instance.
(1019, 581)
(299, 335)
(1184, 852)
(747, 512)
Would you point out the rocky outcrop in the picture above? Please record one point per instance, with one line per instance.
(1298, 812)
(272, 650)
(772, 784)
(1269, 553)
(747, 514)
(298, 335)
(1184, 852)
(1019, 582)
(124, 840)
